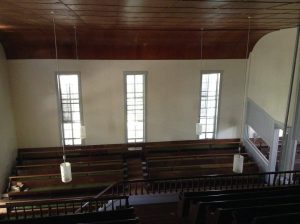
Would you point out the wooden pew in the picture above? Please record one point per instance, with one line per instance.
(207, 210)
(248, 214)
(87, 166)
(72, 158)
(278, 219)
(197, 170)
(192, 160)
(106, 217)
(187, 198)
(191, 144)
(148, 146)
(50, 184)
(189, 151)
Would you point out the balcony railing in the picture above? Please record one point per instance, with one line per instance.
(116, 195)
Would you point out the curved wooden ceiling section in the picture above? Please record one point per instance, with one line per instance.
(140, 29)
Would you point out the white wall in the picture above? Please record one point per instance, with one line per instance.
(172, 98)
(270, 72)
(7, 129)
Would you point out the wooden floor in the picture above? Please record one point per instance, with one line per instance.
(157, 213)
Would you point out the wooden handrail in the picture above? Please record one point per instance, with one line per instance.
(155, 158)
(201, 166)
(61, 200)
(50, 175)
(97, 196)
(142, 144)
(106, 162)
(123, 189)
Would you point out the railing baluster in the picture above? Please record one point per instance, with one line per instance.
(16, 212)
(57, 211)
(97, 206)
(49, 210)
(136, 188)
(24, 213)
(65, 208)
(152, 187)
(73, 207)
(193, 190)
(8, 210)
(89, 209)
(32, 211)
(181, 185)
(41, 211)
(215, 179)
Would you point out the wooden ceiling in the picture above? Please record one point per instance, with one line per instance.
(140, 29)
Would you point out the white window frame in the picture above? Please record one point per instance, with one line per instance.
(217, 110)
(144, 73)
(60, 107)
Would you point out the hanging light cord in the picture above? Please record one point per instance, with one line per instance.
(248, 37)
(201, 44)
(75, 37)
(201, 54)
(245, 83)
(57, 67)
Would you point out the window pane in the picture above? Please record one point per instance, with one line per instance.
(209, 97)
(135, 107)
(70, 105)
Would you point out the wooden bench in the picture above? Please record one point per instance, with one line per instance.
(71, 158)
(50, 184)
(221, 210)
(189, 151)
(278, 219)
(187, 198)
(196, 170)
(248, 214)
(125, 215)
(192, 160)
(86, 166)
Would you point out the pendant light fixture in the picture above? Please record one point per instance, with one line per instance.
(198, 125)
(238, 159)
(65, 167)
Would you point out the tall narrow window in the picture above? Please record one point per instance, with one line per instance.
(135, 106)
(209, 102)
(69, 95)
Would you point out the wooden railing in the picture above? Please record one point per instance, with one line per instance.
(118, 193)
(55, 207)
(205, 183)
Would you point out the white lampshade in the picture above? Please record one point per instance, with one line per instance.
(82, 132)
(198, 129)
(238, 163)
(66, 172)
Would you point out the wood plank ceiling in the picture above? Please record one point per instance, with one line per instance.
(140, 29)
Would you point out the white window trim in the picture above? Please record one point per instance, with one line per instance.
(145, 73)
(217, 118)
(59, 103)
